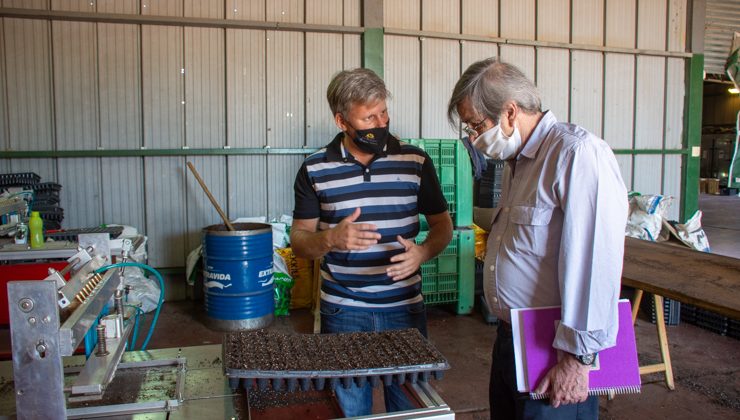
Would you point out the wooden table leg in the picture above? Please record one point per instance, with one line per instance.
(665, 355)
(663, 339)
(636, 305)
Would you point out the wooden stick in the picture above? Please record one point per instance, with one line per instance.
(210, 197)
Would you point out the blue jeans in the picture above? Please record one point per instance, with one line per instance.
(507, 403)
(356, 401)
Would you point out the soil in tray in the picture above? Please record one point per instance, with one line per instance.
(132, 385)
(265, 350)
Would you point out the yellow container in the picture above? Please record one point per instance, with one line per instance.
(36, 227)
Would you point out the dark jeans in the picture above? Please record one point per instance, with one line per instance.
(509, 404)
(356, 401)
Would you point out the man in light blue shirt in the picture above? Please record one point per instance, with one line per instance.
(556, 237)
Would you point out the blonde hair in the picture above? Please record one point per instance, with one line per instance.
(357, 86)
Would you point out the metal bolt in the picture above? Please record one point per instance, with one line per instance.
(41, 347)
(46, 320)
(26, 304)
(32, 320)
(102, 348)
(119, 302)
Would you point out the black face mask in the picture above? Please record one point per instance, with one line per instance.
(372, 140)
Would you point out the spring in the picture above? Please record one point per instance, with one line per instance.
(102, 347)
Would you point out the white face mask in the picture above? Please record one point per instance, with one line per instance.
(497, 145)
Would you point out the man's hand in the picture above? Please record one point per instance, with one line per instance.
(348, 235)
(408, 261)
(567, 382)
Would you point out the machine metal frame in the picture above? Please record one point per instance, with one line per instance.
(50, 318)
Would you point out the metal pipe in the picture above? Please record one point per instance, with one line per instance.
(119, 302)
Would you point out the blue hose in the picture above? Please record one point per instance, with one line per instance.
(135, 334)
(161, 292)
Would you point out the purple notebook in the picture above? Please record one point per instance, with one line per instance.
(615, 370)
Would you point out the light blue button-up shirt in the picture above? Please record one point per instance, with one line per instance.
(557, 237)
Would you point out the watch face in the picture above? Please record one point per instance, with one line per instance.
(586, 359)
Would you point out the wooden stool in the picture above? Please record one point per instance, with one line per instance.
(662, 339)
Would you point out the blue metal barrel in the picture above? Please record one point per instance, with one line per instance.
(237, 276)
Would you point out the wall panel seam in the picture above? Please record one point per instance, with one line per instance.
(52, 89)
(97, 83)
(6, 117)
(175, 21)
(665, 114)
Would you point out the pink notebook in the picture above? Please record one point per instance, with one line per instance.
(615, 370)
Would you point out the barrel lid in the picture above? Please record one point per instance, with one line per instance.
(240, 229)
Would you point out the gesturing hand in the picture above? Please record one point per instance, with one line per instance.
(348, 235)
(408, 261)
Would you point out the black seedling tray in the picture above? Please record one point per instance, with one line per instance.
(292, 361)
(17, 179)
(72, 234)
(44, 187)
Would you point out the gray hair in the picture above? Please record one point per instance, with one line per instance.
(490, 84)
(349, 87)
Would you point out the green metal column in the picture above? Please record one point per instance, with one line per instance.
(372, 50)
(692, 139)
(372, 38)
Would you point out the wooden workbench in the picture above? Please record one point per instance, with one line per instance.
(708, 281)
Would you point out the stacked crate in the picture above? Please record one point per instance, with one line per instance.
(711, 321)
(671, 310)
(733, 328)
(46, 201)
(489, 188)
(45, 196)
(450, 277)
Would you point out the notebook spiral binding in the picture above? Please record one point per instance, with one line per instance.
(595, 391)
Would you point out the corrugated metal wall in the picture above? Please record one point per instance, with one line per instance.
(722, 21)
(73, 85)
(583, 55)
(86, 85)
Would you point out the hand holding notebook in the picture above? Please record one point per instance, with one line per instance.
(566, 382)
(615, 369)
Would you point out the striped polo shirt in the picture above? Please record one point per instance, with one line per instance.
(391, 191)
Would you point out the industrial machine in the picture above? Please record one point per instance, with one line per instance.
(50, 318)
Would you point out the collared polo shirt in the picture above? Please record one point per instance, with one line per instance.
(391, 191)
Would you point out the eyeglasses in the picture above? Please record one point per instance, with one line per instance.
(473, 129)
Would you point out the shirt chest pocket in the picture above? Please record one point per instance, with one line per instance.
(533, 234)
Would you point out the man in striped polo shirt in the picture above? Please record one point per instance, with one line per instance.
(357, 205)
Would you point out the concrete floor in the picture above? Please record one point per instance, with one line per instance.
(706, 365)
(721, 222)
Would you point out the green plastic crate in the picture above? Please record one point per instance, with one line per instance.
(450, 277)
(452, 162)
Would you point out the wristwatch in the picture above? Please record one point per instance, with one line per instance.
(586, 359)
